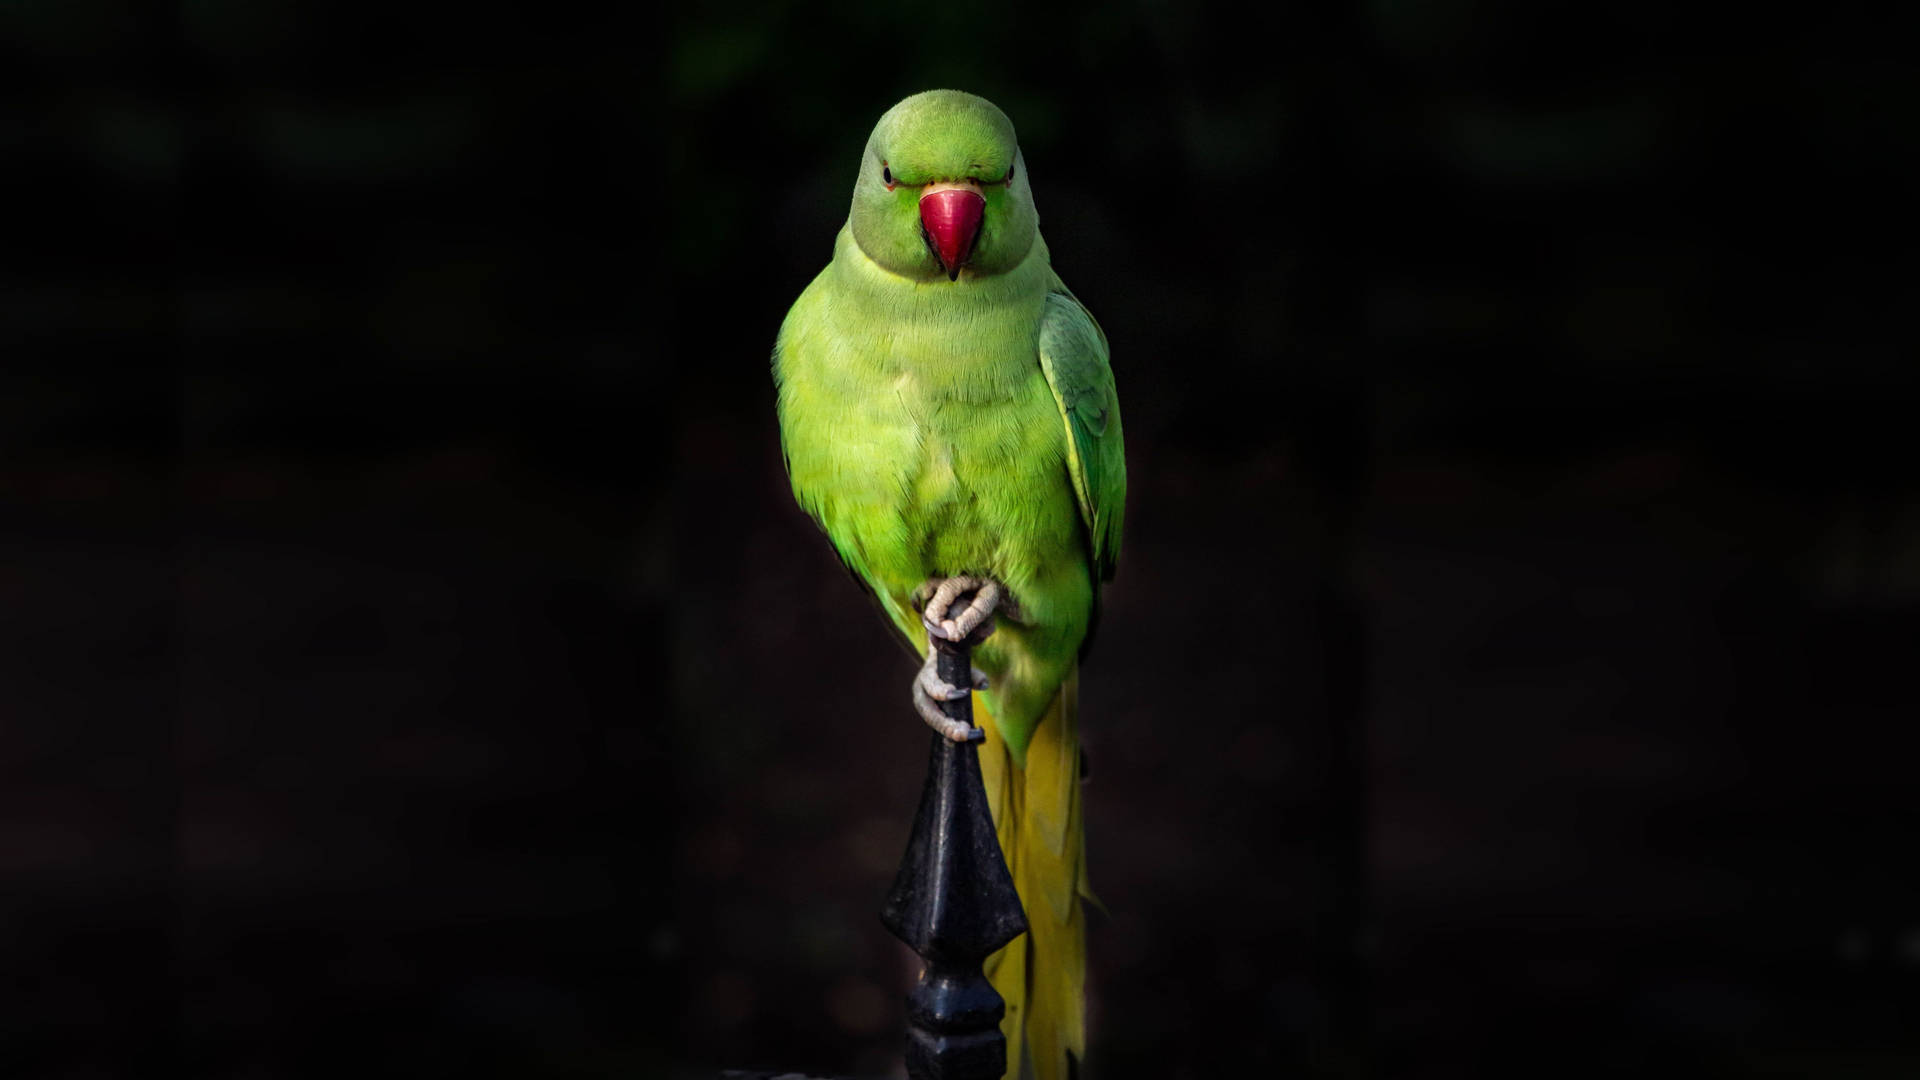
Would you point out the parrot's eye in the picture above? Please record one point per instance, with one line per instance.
(886, 174)
(1009, 178)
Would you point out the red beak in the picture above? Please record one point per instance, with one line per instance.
(952, 218)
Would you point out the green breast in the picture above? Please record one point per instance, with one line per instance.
(989, 492)
(919, 427)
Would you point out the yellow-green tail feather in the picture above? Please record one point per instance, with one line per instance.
(1036, 810)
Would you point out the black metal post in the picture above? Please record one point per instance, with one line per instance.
(953, 903)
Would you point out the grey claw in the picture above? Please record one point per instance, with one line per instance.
(987, 596)
(940, 690)
(941, 722)
(984, 602)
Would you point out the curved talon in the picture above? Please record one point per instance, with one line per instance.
(936, 615)
(948, 630)
(953, 729)
(984, 603)
(939, 689)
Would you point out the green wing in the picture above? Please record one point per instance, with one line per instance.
(1073, 353)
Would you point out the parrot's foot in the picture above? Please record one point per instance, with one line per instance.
(929, 691)
(945, 623)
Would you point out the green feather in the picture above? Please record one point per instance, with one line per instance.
(1073, 352)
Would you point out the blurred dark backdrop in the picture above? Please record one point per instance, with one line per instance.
(414, 662)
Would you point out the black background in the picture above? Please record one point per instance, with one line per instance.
(412, 662)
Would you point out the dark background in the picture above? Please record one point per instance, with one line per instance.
(412, 662)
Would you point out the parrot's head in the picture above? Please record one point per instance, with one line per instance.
(943, 189)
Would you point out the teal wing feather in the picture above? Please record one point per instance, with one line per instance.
(1073, 353)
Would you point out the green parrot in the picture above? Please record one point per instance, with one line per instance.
(949, 418)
